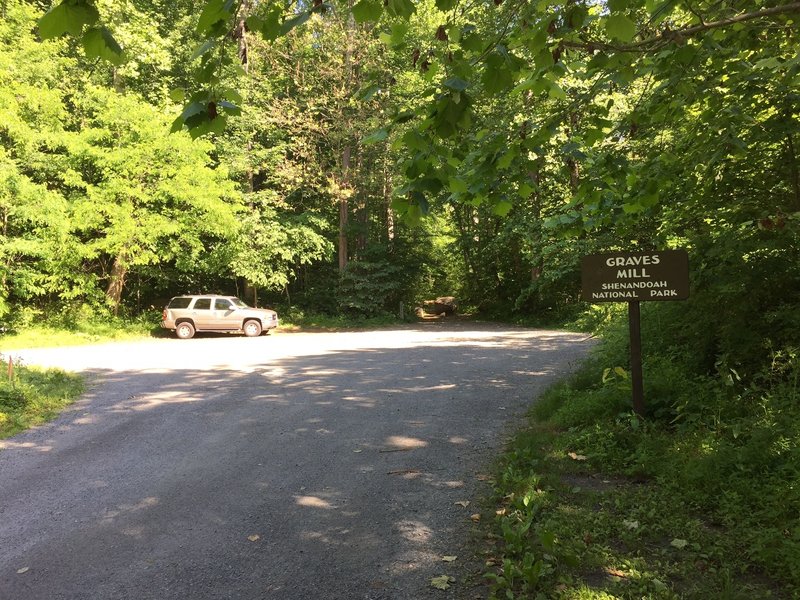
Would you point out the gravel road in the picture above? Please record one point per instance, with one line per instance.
(291, 466)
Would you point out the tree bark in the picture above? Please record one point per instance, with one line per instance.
(343, 208)
(572, 164)
(117, 282)
(795, 177)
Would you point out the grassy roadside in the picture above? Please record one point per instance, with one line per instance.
(699, 500)
(79, 332)
(30, 396)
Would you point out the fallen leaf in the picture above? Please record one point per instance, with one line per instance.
(476, 517)
(23, 570)
(442, 582)
(631, 524)
(574, 456)
(464, 503)
(679, 544)
(254, 538)
(449, 558)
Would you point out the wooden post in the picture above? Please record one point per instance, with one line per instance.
(637, 384)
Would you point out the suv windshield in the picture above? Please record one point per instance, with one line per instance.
(239, 303)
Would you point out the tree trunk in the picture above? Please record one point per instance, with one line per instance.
(117, 282)
(343, 208)
(572, 164)
(795, 177)
(387, 199)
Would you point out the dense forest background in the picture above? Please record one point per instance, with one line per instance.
(352, 159)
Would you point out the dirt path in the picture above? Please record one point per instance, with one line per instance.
(322, 465)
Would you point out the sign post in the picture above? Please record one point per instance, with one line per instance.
(637, 378)
(634, 277)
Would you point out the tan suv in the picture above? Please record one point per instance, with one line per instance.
(187, 314)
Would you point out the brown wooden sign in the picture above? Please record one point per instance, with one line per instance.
(635, 276)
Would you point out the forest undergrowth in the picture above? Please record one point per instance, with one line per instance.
(699, 498)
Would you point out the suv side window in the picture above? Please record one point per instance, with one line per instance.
(180, 302)
(222, 304)
(202, 304)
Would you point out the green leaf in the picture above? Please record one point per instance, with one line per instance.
(413, 140)
(68, 17)
(404, 116)
(544, 59)
(548, 540)
(177, 124)
(401, 8)
(445, 5)
(456, 83)
(375, 137)
(367, 10)
(505, 161)
(232, 96)
(525, 191)
(229, 107)
(592, 136)
(457, 186)
(213, 12)
(556, 92)
(771, 63)
(192, 109)
(177, 94)
(99, 43)
(271, 29)
(254, 23)
(496, 75)
(621, 28)
(295, 21)
(204, 48)
(630, 209)
(368, 92)
(471, 41)
(502, 208)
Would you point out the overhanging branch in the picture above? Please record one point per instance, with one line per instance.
(680, 34)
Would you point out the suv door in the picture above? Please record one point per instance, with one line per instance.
(201, 313)
(224, 315)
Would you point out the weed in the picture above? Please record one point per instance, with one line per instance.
(698, 499)
(33, 396)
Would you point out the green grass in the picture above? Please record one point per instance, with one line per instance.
(699, 500)
(32, 396)
(76, 332)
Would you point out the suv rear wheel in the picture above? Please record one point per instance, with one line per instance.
(184, 330)
(252, 328)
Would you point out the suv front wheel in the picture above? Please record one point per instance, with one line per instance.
(184, 330)
(252, 328)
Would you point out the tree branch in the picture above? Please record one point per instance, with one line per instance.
(679, 34)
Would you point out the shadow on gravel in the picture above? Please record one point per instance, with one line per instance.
(345, 474)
